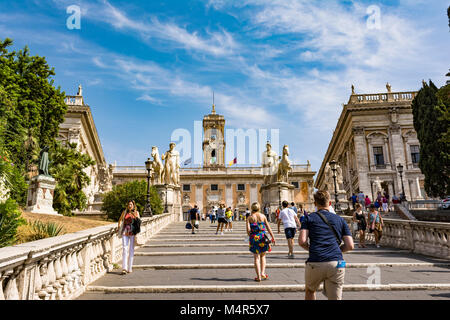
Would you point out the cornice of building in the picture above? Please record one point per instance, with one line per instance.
(74, 106)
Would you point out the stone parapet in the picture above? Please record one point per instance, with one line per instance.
(60, 268)
(427, 238)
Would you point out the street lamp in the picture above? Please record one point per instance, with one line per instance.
(148, 209)
(400, 171)
(333, 166)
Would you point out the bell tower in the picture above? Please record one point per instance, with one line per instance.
(213, 140)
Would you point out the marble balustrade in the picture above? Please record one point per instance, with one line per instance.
(60, 268)
(427, 238)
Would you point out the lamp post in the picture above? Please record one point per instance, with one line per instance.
(148, 209)
(400, 171)
(333, 166)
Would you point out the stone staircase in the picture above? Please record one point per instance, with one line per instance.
(175, 264)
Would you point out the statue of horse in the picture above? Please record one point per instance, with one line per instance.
(157, 166)
(284, 166)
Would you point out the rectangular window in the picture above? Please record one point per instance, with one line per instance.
(186, 187)
(415, 154)
(378, 155)
(295, 184)
(241, 187)
(214, 187)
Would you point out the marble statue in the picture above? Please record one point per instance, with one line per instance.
(157, 167)
(171, 165)
(80, 90)
(43, 161)
(284, 166)
(329, 180)
(377, 184)
(353, 89)
(269, 163)
(388, 87)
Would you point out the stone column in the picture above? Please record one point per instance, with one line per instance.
(419, 192)
(228, 195)
(399, 157)
(199, 196)
(253, 193)
(362, 159)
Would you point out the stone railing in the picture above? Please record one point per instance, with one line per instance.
(60, 268)
(189, 170)
(427, 238)
(74, 100)
(382, 97)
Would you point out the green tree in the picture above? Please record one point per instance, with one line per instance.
(10, 220)
(30, 106)
(115, 201)
(67, 167)
(430, 111)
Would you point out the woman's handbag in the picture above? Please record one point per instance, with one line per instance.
(188, 225)
(136, 226)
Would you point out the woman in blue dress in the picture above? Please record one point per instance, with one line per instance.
(256, 229)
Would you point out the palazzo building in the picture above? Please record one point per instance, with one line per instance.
(79, 128)
(215, 182)
(374, 134)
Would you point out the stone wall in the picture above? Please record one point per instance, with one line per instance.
(60, 268)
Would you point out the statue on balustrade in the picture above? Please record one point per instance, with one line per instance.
(269, 163)
(284, 166)
(157, 167)
(171, 165)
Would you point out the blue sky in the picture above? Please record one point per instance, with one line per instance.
(149, 67)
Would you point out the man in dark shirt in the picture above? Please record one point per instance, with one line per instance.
(325, 262)
(194, 217)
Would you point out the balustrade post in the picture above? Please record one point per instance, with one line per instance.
(2, 277)
(86, 266)
(11, 292)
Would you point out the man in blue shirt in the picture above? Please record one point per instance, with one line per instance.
(325, 262)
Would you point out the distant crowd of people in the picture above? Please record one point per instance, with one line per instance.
(382, 202)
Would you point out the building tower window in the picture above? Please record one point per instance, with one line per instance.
(186, 187)
(415, 154)
(379, 157)
(241, 187)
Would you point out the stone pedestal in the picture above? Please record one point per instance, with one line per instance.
(40, 195)
(342, 200)
(275, 193)
(171, 198)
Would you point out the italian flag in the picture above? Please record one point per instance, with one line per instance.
(234, 161)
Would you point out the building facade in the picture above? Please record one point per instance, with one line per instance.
(374, 134)
(79, 128)
(216, 182)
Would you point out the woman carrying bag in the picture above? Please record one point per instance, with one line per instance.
(128, 226)
(376, 224)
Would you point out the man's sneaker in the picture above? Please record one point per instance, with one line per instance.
(221, 233)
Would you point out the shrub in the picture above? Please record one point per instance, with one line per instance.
(10, 220)
(42, 230)
(115, 201)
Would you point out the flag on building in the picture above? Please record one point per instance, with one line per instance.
(232, 162)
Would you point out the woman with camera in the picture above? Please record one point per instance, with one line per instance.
(127, 231)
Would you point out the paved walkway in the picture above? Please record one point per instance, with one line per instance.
(178, 265)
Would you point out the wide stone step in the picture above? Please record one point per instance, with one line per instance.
(269, 296)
